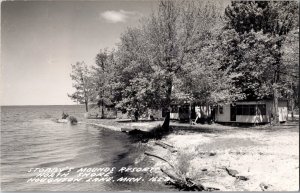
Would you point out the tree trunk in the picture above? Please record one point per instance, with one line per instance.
(293, 114)
(169, 84)
(102, 109)
(136, 115)
(292, 108)
(86, 106)
(166, 124)
(275, 106)
(275, 86)
(190, 112)
(292, 103)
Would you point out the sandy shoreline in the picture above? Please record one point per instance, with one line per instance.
(268, 157)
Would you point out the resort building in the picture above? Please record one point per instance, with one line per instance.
(250, 112)
(190, 111)
(259, 111)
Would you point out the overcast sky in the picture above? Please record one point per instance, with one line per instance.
(40, 41)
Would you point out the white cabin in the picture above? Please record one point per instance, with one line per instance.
(250, 112)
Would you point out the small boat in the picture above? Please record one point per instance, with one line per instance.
(62, 120)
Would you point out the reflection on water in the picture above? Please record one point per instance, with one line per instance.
(31, 139)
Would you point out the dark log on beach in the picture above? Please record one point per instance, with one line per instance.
(150, 154)
(136, 132)
(142, 136)
(154, 131)
(171, 146)
(166, 146)
(235, 173)
(231, 172)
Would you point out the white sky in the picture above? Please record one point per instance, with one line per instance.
(40, 41)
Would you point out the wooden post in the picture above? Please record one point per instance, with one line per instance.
(190, 112)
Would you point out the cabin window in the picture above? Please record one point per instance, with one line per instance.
(252, 109)
(239, 109)
(221, 109)
(246, 109)
(183, 109)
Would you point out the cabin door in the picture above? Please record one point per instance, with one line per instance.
(232, 113)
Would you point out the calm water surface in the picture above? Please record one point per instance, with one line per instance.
(30, 138)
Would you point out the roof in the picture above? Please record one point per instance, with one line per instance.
(105, 102)
(267, 99)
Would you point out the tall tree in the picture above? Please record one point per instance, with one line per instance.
(175, 35)
(155, 54)
(256, 31)
(291, 74)
(102, 76)
(134, 82)
(82, 83)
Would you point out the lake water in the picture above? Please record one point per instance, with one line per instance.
(30, 138)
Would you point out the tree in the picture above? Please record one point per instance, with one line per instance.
(152, 57)
(291, 75)
(135, 86)
(256, 31)
(176, 34)
(203, 78)
(82, 83)
(103, 75)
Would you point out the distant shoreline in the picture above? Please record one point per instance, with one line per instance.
(38, 105)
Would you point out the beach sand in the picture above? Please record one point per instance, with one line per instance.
(266, 157)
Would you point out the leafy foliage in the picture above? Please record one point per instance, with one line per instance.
(170, 56)
(253, 41)
(82, 83)
(103, 75)
(201, 52)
